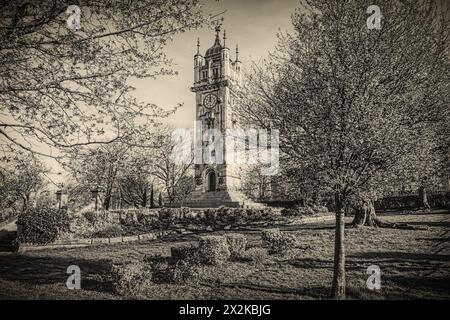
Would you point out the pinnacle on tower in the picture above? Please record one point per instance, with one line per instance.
(224, 38)
(217, 34)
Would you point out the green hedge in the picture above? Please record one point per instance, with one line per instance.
(216, 217)
(42, 225)
(301, 211)
(131, 280)
(213, 250)
(278, 242)
(237, 216)
(181, 268)
(237, 244)
(137, 221)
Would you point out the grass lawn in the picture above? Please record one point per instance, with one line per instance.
(414, 264)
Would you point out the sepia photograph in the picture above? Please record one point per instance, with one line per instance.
(227, 156)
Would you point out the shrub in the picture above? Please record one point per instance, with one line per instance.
(136, 218)
(237, 216)
(185, 253)
(97, 224)
(298, 211)
(109, 232)
(185, 271)
(173, 215)
(183, 267)
(319, 208)
(213, 250)
(254, 255)
(132, 279)
(159, 267)
(259, 215)
(129, 217)
(90, 216)
(210, 217)
(42, 225)
(236, 244)
(277, 241)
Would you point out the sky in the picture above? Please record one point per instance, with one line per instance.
(252, 24)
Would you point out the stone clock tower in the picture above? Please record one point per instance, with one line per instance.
(217, 79)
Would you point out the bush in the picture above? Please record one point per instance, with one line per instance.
(159, 267)
(90, 216)
(298, 211)
(186, 253)
(109, 232)
(183, 267)
(237, 216)
(232, 216)
(213, 250)
(185, 271)
(210, 217)
(264, 214)
(255, 256)
(319, 208)
(277, 241)
(171, 216)
(132, 279)
(96, 224)
(42, 225)
(236, 244)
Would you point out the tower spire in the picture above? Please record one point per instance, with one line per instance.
(217, 34)
(198, 45)
(218, 24)
(224, 38)
(237, 53)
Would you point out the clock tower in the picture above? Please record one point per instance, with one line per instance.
(217, 81)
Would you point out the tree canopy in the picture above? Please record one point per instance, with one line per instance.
(62, 87)
(355, 106)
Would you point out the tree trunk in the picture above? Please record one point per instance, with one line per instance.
(338, 285)
(423, 199)
(107, 200)
(25, 204)
(144, 198)
(365, 215)
(152, 195)
(160, 200)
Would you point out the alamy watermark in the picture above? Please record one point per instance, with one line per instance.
(73, 22)
(374, 280)
(374, 21)
(235, 146)
(74, 280)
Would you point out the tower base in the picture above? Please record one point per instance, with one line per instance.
(215, 199)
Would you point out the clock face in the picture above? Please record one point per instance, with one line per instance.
(210, 101)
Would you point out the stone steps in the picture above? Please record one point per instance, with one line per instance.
(215, 199)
